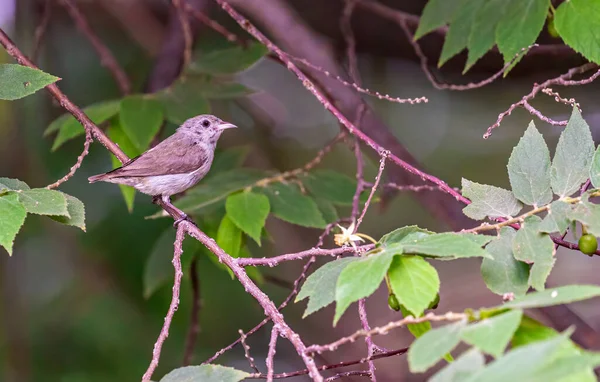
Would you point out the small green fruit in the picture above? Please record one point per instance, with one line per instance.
(393, 302)
(588, 244)
(552, 29)
(435, 302)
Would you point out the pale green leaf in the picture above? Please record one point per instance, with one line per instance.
(554, 296)
(587, 213)
(573, 157)
(13, 216)
(249, 211)
(319, 287)
(483, 33)
(205, 373)
(12, 184)
(523, 363)
(492, 335)
(479, 239)
(504, 274)
(68, 127)
(141, 118)
(531, 246)
(444, 246)
(595, 169)
(489, 201)
(290, 205)
(417, 329)
(76, 213)
(360, 279)
(557, 219)
(414, 282)
(529, 169)
(399, 235)
(19, 81)
(520, 25)
(436, 13)
(42, 201)
(183, 100)
(229, 237)
(327, 210)
(468, 363)
(457, 37)
(428, 349)
(578, 24)
(330, 185)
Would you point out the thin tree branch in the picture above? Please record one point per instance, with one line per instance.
(247, 351)
(271, 353)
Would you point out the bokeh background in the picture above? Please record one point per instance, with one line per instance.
(71, 304)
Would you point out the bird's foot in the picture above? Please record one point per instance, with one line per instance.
(182, 218)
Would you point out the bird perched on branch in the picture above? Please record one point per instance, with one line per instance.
(175, 164)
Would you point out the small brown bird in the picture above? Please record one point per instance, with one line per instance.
(175, 164)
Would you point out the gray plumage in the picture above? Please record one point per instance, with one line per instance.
(175, 164)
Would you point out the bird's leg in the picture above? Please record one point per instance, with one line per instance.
(166, 199)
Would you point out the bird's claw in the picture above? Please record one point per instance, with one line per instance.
(182, 218)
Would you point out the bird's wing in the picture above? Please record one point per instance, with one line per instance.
(175, 155)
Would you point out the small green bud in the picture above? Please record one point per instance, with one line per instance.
(435, 302)
(588, 244)
(393, 302)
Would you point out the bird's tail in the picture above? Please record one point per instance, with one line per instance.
(96, 178)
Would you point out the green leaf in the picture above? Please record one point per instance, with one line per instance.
(520, 26)
(403, 234)
(531, 246)
(319, 287)
(445, 246)
(249, 211)
(76, 213)
(595, 169)
(493, 334)
(483, 33)
(573, 157)
(327, 210)
(20, 81)
(330, 185)
(205, 373)
(228, 160)
(141, 118)
(529, 169)
(414, 282)
(158, 268)
(436, 13)
(360, 279)
(490, 201)
(557, 219)
(428, 349)
(211, 88)
(183, 100)
(216, 188)
(457, 37)
(12, 184)
(229, 59)
(117, 135)
(577, 23)
(479, 239)
(418, 329)
(504, 274)
(587, 213)
(42, 201)
(523, 363)
(13, 216)
(229, 237)
(468, 363)
(554, 296)
(68, 127)
(290, 205)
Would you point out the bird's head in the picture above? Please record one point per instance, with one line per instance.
(207, 127)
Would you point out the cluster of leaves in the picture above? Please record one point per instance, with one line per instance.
(525, 257)
(512, 25)
(538, 353)
(17, 200)
(232, 204)
(136, 120)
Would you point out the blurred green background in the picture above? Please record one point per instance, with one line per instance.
(72, 304)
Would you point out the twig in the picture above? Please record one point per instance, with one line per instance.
(384, 155)
(349, 374)
(385, 329)
(106, 57)
(571, 101)
(164, 333)
(194, 328)
(86, 149)
(40, 30)
(364, 321)
(247, 351)
(408, 187)
(310, 86)
(386, 354)
(535, 112)
(276, 260)
(211, 23)
(271, 353)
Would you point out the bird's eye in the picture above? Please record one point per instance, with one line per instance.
(205, 123)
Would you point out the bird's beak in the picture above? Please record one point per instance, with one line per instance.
(225, 125)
